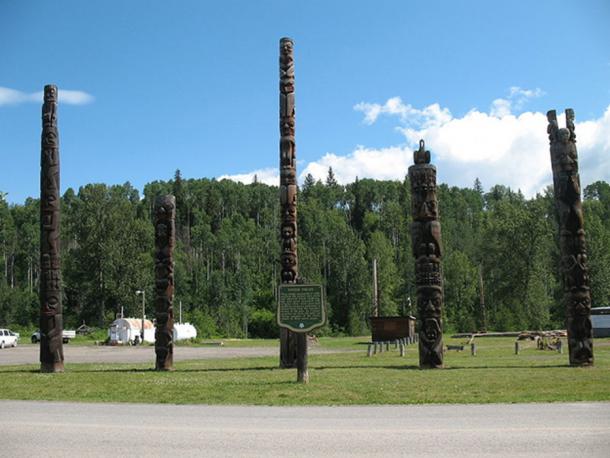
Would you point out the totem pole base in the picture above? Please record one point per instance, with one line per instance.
(430, 366)
(581, 364)
(51, 368)
(165, 369)
(288, 350)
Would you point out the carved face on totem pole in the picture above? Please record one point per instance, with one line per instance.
(286, 46)
(288, 175)
(423, 198)
(579, 302)
(289, 273)
(290, 213)
(287, 231)
(287, 146)
(288, 194)
(50, 93)
(430, 301)
(287, 126)
(426, 239)
(286, 67)
(50, 305)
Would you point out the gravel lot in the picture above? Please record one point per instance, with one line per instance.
(28, 353)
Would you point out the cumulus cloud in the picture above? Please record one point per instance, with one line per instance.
(517, 98)
(501, 146)
(430, 115)
(268, 176)
(384, 164)
(10, 96)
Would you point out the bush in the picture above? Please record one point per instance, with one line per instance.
(263, 325)
(205, 324)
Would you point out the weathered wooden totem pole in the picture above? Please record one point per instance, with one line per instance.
(51, 314)
(426, 244)
(165, 240)
(288, 191)
(566, 184)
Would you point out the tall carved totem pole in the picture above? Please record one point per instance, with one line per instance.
(566, 184)
(288, 190)
(426, 244)
(165, 240)
(51, 317)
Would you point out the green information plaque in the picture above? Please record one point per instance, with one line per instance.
(300, 307)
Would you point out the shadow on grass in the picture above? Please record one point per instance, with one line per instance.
(141, 370)
(409, 367)
(415, 367)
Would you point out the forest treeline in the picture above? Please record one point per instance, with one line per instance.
(228, 246)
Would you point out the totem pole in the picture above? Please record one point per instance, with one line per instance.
(288, 191)
(51, 318)
(566, 184)
(165, 233)
(426, 244)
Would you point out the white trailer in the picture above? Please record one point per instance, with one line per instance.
(128, 331)
(184, 331)
(600, 319)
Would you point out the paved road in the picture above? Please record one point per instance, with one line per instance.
(28, 354)
(534, 430)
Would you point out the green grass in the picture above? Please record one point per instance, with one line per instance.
(344, 378)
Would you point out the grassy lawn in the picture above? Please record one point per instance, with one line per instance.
(494, 375)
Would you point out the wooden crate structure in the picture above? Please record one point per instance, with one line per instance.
(388, 328)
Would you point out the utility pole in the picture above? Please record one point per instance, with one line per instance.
(375, 294)
(143, 293)
(482, 300)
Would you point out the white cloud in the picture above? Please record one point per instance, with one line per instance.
(10, 96)
(430, 115)
(517, 98)
(498, 147)
(385, 164)
(268, 176)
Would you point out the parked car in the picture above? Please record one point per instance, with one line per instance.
(8, 338)
(66, 336)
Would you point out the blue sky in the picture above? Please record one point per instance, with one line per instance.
(194, 85)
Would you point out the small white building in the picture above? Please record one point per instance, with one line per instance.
(125, 331)
(184, 331)
(600, 319)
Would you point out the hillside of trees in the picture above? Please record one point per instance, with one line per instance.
(227, 254)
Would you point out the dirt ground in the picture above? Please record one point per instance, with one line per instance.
(28, 353)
